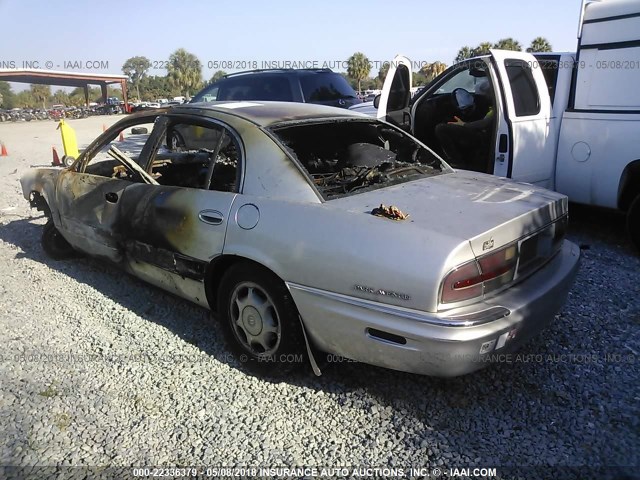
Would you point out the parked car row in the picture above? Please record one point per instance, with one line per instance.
(22, 115)
(56, 112)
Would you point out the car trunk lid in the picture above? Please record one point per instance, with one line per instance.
(487, 211)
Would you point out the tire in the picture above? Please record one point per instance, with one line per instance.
(67, 160)
(54, 244)
(633, 222)
(139, 130)
(176, 142)
(260, 321)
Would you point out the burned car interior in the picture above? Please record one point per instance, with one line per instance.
(182, 154)
(197, 157)
(346, 157)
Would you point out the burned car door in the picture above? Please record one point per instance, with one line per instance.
(88, 195)
(173, 229)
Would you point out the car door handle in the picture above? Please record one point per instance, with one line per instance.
(212, 217)
(111, 197)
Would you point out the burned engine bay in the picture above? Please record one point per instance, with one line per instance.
(346, 157)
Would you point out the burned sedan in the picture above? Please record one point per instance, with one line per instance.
(309, 229)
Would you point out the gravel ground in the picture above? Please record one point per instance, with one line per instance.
(98, 368)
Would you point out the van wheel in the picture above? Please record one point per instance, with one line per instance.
(54, 244)
(633, 222)
(260, 320)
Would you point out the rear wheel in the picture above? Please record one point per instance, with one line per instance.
(633, 222)
(260, 320)
(54, 244)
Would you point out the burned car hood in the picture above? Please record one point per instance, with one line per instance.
(467, 206)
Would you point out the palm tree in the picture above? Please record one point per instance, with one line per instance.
(463, 54)
(508, 44)
(184, 71)
(61, 97)
(384, 69)
(358, 67)
(217, 76)
(432, 70)
(482, 49)
(540, 44)
(41, 94)
(136, 68)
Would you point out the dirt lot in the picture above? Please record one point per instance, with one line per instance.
(97, 368)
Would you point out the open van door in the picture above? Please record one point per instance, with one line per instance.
(394, 101)
(525, 146)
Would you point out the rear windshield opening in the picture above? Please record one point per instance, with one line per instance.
(347, 157)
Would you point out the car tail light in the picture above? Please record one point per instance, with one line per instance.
(475, 278)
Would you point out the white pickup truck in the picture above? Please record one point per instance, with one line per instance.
(566, 121)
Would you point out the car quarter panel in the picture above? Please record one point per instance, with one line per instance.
(345, 251)
(269, 172)
(43, 181)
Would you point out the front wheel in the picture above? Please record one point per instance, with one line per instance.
(260, 320)
(633, 222)
(54, 244)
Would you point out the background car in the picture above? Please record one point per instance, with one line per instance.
(312, 229)
(320, 86)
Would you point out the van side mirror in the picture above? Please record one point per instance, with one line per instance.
(376, 101)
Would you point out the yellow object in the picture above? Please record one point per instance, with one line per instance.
(69, 141)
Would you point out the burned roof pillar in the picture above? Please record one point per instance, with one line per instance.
(123, 85)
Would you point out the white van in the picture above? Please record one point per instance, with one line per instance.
(565, 121)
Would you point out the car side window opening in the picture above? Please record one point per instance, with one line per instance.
(196, 156)
(346, 157)
(130, 140)
(523, 86)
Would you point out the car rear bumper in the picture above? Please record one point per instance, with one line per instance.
(437, 344)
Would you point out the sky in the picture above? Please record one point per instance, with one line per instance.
(233, 35)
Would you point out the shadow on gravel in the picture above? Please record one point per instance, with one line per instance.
(592, 225)
(507, 402)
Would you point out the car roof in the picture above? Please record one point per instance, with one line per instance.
(264, 113)
(279, 71)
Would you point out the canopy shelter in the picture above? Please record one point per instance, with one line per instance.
(67, 79)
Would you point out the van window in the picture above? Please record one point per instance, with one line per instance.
(608, 79)
(462, 79)
(549, 67)
(523, 87)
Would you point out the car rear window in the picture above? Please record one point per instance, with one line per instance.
(248, 87)
(347, 157)
(325, 87)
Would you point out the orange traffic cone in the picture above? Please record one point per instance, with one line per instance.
(104, 128)
(121, 137)
(56, 159)
(3, 151)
